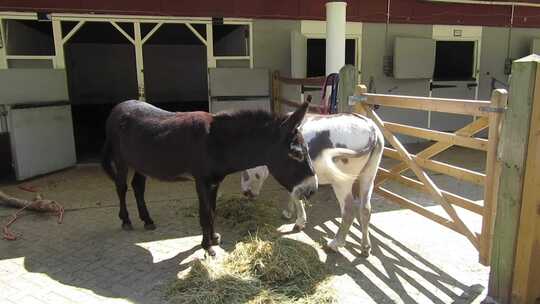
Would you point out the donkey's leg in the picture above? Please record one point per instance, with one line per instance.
(291, 209)
(207, 192)
(121, 189)
(203, 193)
(139, 184)
(346, 202)
(215, 238)
(301, 218)
(363, 212)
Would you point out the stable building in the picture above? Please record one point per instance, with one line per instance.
(65, 64)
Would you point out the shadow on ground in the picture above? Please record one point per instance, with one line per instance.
(90, 251)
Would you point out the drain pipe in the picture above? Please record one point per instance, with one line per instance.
(335, 36)
(3, 119)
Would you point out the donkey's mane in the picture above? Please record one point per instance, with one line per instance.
(252, 124)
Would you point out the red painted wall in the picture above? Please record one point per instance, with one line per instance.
(402, 11)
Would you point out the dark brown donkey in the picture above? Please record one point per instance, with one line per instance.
(174, 146)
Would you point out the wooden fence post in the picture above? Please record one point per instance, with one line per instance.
(499, 100)
(526, 284)
(513, 155)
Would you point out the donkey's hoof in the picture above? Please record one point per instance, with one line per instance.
(210, 253)
(150, 226)
(216, 239)
(333, 245)
(286, 214)
(366, 252)
(127, 226)
(298, 228)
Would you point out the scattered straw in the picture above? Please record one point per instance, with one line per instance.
(262, 269)
(257, 271)
(248, 216)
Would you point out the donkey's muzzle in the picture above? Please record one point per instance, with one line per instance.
(306, 189)
(249, 194)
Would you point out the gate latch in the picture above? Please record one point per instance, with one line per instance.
(356, 99)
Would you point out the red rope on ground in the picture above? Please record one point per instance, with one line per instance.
(10, 236)
(27, 188)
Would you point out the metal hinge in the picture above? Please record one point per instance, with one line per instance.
(492, 109)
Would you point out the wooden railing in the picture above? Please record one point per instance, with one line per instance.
(278, 81)
(488, 116)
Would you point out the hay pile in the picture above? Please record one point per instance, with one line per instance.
(262, 269)
(249, 216)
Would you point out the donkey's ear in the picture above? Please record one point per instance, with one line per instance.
(294, 120)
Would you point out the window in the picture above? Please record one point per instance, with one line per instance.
(231, 40)
(316, 55)
(29, 38)
(454, 60)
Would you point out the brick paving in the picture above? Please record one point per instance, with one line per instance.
(89, 259)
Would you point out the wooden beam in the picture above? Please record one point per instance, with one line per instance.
(124, 33)
(197, 34)
(312, 81)
(152, 32)
(3, 41)
(296, 104)
(139, 60)
(513, 154)
(73, 31)
(440, 167)
(469, 130)
(454, 106)
(450, 138)
(526, 282)
(450, 197)
(59, 61)
(499, 99)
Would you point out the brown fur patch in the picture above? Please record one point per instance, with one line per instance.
(245, 176)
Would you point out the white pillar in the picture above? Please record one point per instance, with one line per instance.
(335, 36)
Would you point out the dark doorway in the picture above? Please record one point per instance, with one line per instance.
(454, 61)
(316, 55)
(100, 64)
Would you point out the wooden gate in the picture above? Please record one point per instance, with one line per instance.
(488, 116)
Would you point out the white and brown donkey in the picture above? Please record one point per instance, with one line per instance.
(353, 145)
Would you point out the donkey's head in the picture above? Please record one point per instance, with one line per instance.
(289, 161)
(252, 181)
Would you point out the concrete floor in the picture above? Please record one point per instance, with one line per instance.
(90, 259)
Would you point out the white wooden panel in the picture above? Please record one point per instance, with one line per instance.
(32, 85)
(42, 140)
(239, 82)
(232, 105)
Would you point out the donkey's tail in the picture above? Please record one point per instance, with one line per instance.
(371, 165)
(328, 156)
(106, 160)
